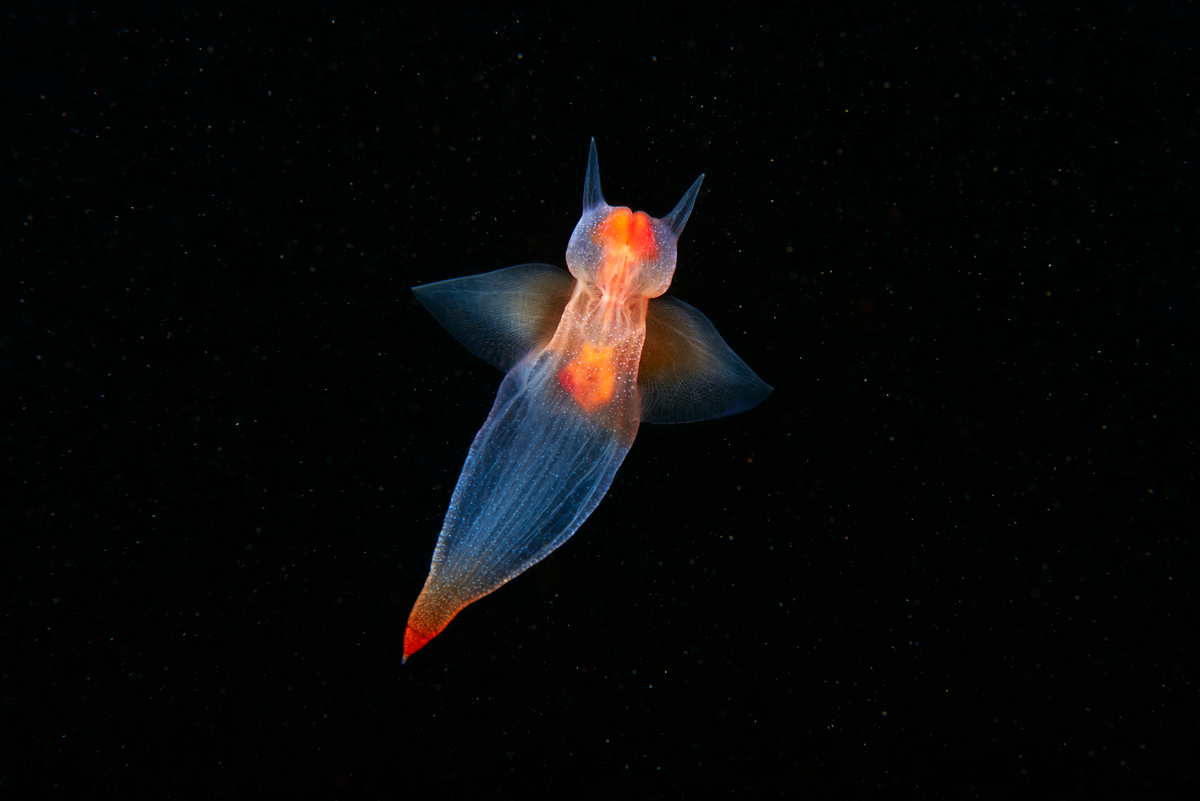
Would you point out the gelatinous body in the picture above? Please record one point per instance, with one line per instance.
(588, 356)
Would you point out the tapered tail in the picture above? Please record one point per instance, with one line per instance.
(429, 617)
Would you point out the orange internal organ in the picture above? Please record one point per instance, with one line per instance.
(625, 229)
(590, 377)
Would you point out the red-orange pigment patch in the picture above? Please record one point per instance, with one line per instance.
(590, 377)
(634, 230)
(641, 236)
(414, 641)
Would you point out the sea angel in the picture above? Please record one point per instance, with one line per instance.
(587, 356)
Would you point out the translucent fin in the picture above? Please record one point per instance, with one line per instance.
(502, 315)
(687, 372)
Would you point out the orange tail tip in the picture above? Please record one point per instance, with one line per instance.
(414, 641)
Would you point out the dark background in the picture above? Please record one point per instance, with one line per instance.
(950, 556)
